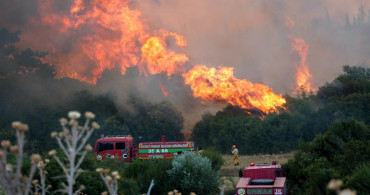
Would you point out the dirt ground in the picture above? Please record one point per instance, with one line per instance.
(230, 173)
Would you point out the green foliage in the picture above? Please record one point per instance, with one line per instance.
(319, 173)
(330, 156)
(230, 192)
(8, 134)
(154, 120)
(143, 171)
(359, 181)
(201, 131)
(55, 173)
(354, 153)
(193, 173)
(129, 186)
(114, 125)
(214, 156)
(353, 106)
(251, 134)
(355, 79)
(94, 184)
(90, 178)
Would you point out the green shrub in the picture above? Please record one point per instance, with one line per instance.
(332, 155)
(360, 179)
(92, 181)
(230, 192)
(193, 173)
(128, 187)
(143, 171)
(214, 156)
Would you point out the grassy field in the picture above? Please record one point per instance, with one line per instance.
(230, 173)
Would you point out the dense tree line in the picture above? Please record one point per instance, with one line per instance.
(341, 153)
(306, 116)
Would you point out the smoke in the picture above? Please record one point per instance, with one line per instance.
(123, 87)
(251, 36)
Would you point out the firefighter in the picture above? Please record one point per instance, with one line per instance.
(235, 152)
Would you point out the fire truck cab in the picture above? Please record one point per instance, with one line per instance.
(262, 179)
(121, 147)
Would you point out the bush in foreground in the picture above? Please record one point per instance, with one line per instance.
(342, 153)
(214, 156)
(193, 173)
(143, 171)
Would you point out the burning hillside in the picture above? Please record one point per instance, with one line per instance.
(107, 34)
(221, 86)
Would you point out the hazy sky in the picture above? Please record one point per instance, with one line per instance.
(253, 35)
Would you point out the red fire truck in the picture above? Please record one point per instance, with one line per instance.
(262, 179)
(123, 148)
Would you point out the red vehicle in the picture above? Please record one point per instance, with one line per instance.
(262, 179)
(123, 148)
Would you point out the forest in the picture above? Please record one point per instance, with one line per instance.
(306, 116)
(329, 130)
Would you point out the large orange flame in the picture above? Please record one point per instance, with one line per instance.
(221, 86)
(106, 34)
(304, 76)
(158, 60)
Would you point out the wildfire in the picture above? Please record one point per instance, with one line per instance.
(221, 86)
(163, 88)
(92, 36)
(304, 76)
(158, 60)
(106, 34)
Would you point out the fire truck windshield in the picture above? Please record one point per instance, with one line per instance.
(120, 145)
(104, 146)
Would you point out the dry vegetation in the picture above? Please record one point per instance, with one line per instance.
(230, 173)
